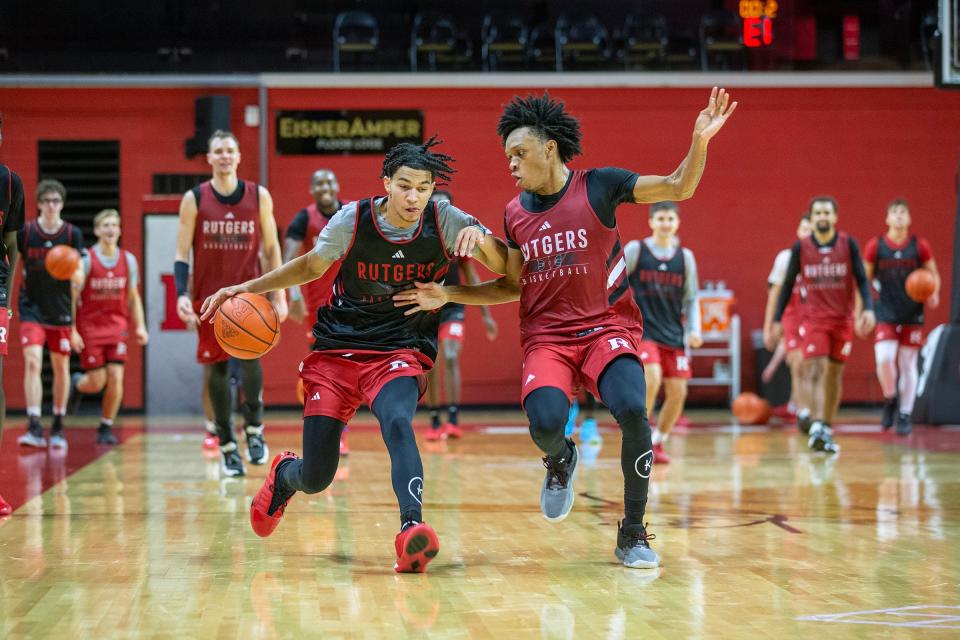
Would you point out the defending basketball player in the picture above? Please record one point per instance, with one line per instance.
(663, 278)
(829, 261)
(47, 312)
(227, 222)
(366, 349)
(578, 322)
(792, 321)
(11, 222)
(890, 258)
(108, 302)
(300, 237)
(452, 334)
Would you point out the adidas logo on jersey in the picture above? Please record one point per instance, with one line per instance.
(398, 255)
(544, 226)
(229, 215)
(662, 267)
(315, 396)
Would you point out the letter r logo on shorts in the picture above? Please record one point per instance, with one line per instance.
(618, 343)
(3, 333)
(398, 364)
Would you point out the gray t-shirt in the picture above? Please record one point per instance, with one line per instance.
(109, 263)
(335, 238)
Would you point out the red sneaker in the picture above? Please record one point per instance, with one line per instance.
(344, 449)
(434, 435)
(211, 442)
(451, 430)
(659, 455)
(5, 508)
(416, 546)
(261, 520)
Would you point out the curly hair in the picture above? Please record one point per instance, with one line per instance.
(419, 156)
(547, 120)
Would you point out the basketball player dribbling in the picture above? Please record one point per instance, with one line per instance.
(578, 321)
(366, 349)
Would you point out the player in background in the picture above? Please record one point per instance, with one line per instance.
(451, 343)
(663, 278)
(832, 269)
(47, 312)
(11, 222)
(223, 221)
(300, 237)
(790, 344)
(109, 302)
(888, 259)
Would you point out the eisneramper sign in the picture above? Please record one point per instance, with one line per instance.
(346, 132)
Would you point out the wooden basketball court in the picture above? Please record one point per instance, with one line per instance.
(758, 537)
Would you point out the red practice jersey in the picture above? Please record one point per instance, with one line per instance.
(827, 279)
(103, 315)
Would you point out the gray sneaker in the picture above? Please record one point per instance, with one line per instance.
(230, 462)
(556, 496)
(34, 435)
(257, 450)
(633, 547)
(821, 439)
(57, 440)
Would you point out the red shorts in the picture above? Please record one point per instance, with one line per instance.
(569, 365)
(674, 362)
(4, 330)
(834, 340)
(57, 338)
(452, 331)
(792, 333)
(95, 356)
(209, 350)
(336, 383)
(908, 335)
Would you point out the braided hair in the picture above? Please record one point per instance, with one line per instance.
(419, 156)
(547, 120)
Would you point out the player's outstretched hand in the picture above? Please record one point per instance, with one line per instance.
(280, 304)
(467, 240)
(76, 342)
(712, 119)
(211, 304)
(425, 296)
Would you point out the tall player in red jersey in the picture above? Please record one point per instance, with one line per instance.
(366, 349)
(226, 222)
(11, 221)
(789, 345)
(578, 321)
(47, 312)
(300, 238)
(829, 261)
(108, 302)
(890, 258)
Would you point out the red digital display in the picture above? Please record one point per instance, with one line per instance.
(758, 18)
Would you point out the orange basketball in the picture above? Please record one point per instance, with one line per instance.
(749, 408)
(246, 326)
(920, 285)
(301, 393)
(62, 261)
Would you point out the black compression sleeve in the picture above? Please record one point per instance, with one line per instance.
(608, 187)
(298, 227)
(786, 289)
(860, 274)
(181, 274)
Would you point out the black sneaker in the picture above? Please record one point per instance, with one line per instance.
(230, 461)
(34, 435)
(889, 412)
(904, 424)
(74, 397)
(257, 451)
(821, 439)
(105, 435)
(804, 423)
(633, 547)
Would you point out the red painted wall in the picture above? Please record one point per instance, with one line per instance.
(864, 146)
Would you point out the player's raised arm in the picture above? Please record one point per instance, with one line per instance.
(682, 183)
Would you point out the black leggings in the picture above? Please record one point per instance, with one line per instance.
(623, 389)
(394, 407)
(218, 386)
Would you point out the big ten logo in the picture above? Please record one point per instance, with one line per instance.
(916, 336)
(456, 328)
(683, 363)
(398, 364)
(758, 18)
(64, 345)
(3, 331)
(171, 321)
